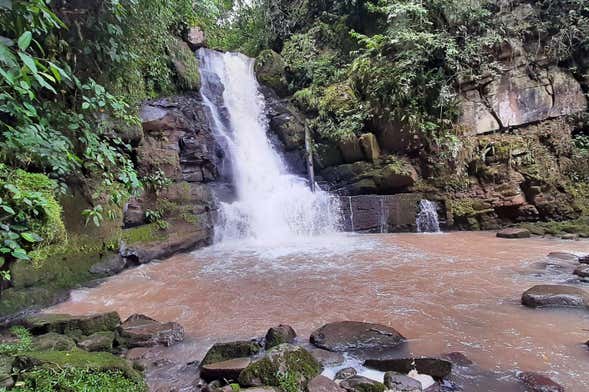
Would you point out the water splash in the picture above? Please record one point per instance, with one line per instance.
(271, 204)
(427, 217)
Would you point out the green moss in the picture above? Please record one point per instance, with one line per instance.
(225, 351)
(269, 69)
(185, 64)
(99, 361)
(578, 226)
(468, 207)
(143, 234)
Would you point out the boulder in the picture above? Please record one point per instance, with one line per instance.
(52, 342)
(71, 325)
(514, 233)
(224, 351)
(99, 341)
(323, 384)
(555, 296)
(362, 384)
(354, 336)
(326, 358)
(142, 331)
(345, 373)
(133, 214)
(582, 271)
(280, 334)
(195, 38)
(437, 368)
(584, 259)
(185, 64)
(370, 146)
(457, 359)
(394, 176)
(401, 383)
(285, 360)
(270, 71)
(539, 383)
(226, 371)
(289, 129)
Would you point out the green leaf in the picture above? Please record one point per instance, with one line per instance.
(6, 55)
(44, 83)
(25, 40)
(58, 72)
(85, 105)
(31, 237)
(8, 209)
(20, 254)
(28, 61)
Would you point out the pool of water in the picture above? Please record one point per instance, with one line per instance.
(445, 292)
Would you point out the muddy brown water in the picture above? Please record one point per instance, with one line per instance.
(445, 292)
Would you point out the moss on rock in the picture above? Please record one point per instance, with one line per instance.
(284, 360)
(270, 69)
(230, 350)
(185, 64)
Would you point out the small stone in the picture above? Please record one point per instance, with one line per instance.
(142, 331)
(99, 341)
(227, 370)
(539, 383)
(514, 233)
(437, 368)
(279, 335)
(401, 383)
(345, 373)
(224, 351)
(52, 342)
(555, 296)
(323, 384)
(362, 384)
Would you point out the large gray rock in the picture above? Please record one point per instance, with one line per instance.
(142, 331)
(437, 368)
(355, 336)
(351, 149)
(285, 360)
(362, 384)
(220, 352)
(195, 38)
(401, 383)
(555, 296)
(514, 233)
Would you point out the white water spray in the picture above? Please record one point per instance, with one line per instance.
(427, 217)
(271, 205)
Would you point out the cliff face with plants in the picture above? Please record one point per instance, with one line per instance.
(480, 105)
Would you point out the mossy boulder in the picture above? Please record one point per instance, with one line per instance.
(185, 65)
(362, 384)
(270, 70)
(224, 351)
(279, 335)
(142, 331)
(283, 361)
(72, 325)
(78, 359)
(99, 341)
(52, 342)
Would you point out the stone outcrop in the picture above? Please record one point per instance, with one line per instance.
(355, 336)
(555, 296)
(142, 331)
(380, 214)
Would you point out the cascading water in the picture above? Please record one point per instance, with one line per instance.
(427, 217)
(271, 204)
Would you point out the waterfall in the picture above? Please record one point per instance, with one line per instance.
(427, 217)
(270, 203)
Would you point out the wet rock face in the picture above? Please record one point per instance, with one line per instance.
(555, 296)
(355, 336)
(227, 370)
(538, 383)
(142, 331)
(279, 335)
(437, 368)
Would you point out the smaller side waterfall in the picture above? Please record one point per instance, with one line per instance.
(427, 217)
